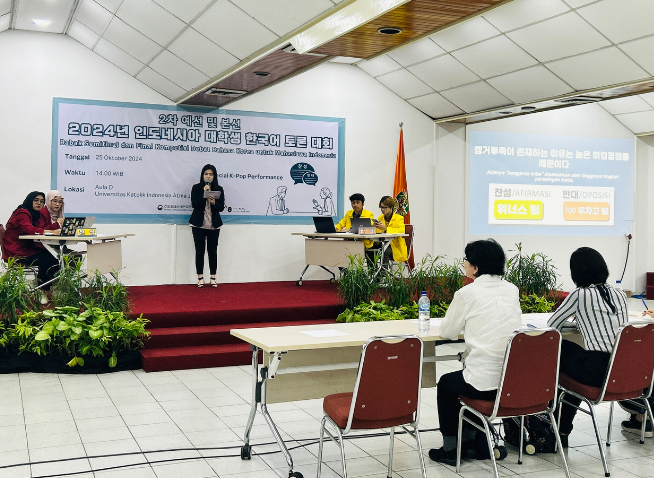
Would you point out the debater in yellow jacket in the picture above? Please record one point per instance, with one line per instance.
(395, 226)
(357, 201)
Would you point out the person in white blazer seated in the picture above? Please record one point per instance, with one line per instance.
(488, 312)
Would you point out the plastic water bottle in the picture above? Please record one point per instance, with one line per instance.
(423, 313)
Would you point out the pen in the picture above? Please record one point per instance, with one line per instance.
(645, 304)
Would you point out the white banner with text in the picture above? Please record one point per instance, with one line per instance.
(136, 163)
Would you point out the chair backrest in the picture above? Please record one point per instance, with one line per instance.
(632, 362)
(530, 374)
(408, 229)
(389, 379)
(2, 240)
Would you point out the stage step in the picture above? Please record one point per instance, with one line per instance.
(190, 327)
(203, 356)
(171, 337)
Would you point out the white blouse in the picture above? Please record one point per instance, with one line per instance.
(488, 312)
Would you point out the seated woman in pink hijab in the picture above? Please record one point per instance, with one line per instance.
(54, 202)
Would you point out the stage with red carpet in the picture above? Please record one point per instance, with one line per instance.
(190, 326)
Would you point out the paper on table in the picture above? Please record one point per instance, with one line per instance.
(321, 333)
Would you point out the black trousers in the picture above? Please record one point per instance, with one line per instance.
(450, 386)
(584, 366)
(48, 266)
(208, 237)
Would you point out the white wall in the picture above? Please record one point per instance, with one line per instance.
(36, 67)
(588, 120)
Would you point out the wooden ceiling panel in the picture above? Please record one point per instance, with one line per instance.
(415, 18)
(279, 64)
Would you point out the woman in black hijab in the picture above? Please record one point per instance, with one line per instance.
(29, 219)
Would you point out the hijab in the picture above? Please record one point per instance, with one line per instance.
(28, 206)
(48, 199)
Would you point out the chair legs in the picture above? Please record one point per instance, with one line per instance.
(608, 432)
(648, 414)
(522, 439)
(555, 429)
(486, 430)
(591, 412)
(489, 439)
(390, 453)
(336, 439)
(322, 436)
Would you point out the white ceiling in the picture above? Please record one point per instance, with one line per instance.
(523, 51)
(173, 46)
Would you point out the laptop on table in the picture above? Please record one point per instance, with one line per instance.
(362, 225)
(324, 224)
(71, 224)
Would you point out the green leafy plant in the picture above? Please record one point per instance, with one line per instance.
(437, 309)
(357, 284)
(531, 274)
(67, 289)
(371, 312)
(379, 311)
(17, 294)
(396, 288)
(448, 278)
(438, 279)
(106, 294)
(67, 332)
(534, 304)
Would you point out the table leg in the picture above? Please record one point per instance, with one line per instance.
(259, 397)
(246, 453)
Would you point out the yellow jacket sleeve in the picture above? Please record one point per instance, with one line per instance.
(367, 243)
(398, 245)
(346, 222)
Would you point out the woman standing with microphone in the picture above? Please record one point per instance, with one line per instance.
(205, 222)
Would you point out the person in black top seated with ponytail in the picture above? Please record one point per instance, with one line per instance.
(598, 310)
(205, 222)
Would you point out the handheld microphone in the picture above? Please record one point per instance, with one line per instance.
(206, 183)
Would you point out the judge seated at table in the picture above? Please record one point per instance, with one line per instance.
(356, 212)
(29, 219)
(488, 311)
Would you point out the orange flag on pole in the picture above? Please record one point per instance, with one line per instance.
(400, 190)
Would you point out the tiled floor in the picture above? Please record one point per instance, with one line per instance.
(44, 418)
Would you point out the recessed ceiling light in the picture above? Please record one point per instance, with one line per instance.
(41, 22)
(389, 30)
(261, 73)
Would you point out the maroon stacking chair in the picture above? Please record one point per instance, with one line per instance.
(628, 377)
(2, 239)
(528, 385)
(386, 395)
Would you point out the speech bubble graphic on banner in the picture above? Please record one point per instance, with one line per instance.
(303, 173)
(310, 178)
